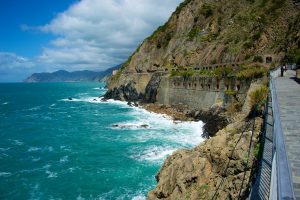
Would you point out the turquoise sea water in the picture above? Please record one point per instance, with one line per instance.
(54, 148)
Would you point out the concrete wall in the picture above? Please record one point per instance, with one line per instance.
(197, 92)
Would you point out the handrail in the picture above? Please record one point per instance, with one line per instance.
(283, 178)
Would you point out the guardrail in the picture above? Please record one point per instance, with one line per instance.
(281, 179)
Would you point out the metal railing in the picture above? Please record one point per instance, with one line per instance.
(281, 179)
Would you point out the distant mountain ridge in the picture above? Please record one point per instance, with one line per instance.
(65, 76)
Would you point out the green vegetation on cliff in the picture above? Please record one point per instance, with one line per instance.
(203, 32)
(247, 72)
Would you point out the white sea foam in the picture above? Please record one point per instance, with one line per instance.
(99, 88)
(47, 166)
(5, 174)
(71, 169)
(50, 148)
(51, 174)
(4, 154)
(131, 125)
(35, 108)
(31, 149)
(153, 153)
(5, 103)
(139, 197)
(18, 142)
(184, 133)
(64, 159)
(95, 100)
(36, 159)
(65, 148)
(79, 197)
(52, 105)
(4, 149)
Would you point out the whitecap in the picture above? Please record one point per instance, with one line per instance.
(4, 149)
(50, 148)
(4, 154)
(64, 159)
(18, 142)
(71, 169)
(65, 148)
(36, 159)
(32, 149)
(51, 174)
(185, 133)
(139, 197)
(99, 88)
(131, 125)
(47, 166)
(80, 197)
(96, 100)
(5, 103)
(52, 105)
(35, 108)
(5, 174)
(153, 153)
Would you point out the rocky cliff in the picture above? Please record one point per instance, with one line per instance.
(202, 34)
(216, 168)
(203, 62)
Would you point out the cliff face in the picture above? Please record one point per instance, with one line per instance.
(214, 169)
(207, 32)
(207, 56)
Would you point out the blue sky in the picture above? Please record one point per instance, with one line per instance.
(48, 35)
(15, 13)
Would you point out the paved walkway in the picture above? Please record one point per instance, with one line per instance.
(288, 93)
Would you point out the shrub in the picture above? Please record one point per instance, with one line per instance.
(248, 44)
(257, 150)
(175, 73)
(231, 92)
(206, 10)
(258, 59)
(294, 56)
(251, 72)
(258, 97)
(223, 72)
(193, 33)
(234, 107)
(187, 74)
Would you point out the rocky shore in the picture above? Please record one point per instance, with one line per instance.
(216, 168)
(214, 119)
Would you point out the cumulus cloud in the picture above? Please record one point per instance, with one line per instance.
(96, 34)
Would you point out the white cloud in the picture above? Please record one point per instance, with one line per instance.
(101, 33)
(93, 34)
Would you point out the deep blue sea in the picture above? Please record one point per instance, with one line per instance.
(55, 148)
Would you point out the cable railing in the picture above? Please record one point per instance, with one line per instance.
(249, 124)
(281, 179)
